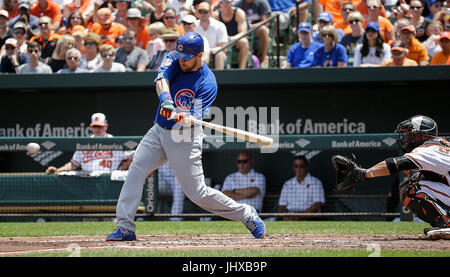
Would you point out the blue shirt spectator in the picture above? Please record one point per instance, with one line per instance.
(331, 53)
(12, 58)
(301, 54)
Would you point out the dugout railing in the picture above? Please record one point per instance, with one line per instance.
(39, 195)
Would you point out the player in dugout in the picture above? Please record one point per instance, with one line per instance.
(427, 192)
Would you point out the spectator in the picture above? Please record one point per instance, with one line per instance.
(106, 28)
(5, 31)
(235, 21)
(92, 59)
(433, 32)
(86, 8)
(350, 41)
(287, 10)
(325, 19)
(343, 24)
(302, 193)
(75, 18)
(258, 11)
(443, 57)
(421, 23)
(402, 22)
(47, 39)
(331, 53)
(35, 66)
(182, 7)
(334, 7)
(214, 31)
(246, 186)
(30, 20)
(399, 52)
(373, 51)
(96, 160)
(386, 28)
(188, 23)
(170, 20)
(363, 7)
(12, 7)
(156, 43)
(132, 57)
(58, 59)
(167, 177)
(301, 54)
(73, 57)
(12, 58)
(108, 53)
(120, 15)
(20, 34)
(169, 37)
(435, 7)
(158, 11)
(417, 51)
(136, 23)
(50, 9)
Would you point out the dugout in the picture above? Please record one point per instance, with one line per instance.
(317, 101)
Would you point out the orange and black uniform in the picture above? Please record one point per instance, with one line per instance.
(48, 46)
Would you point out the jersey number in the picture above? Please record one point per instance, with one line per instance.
(106, 163)
(444, 150)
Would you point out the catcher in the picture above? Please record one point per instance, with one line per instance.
(427, 192)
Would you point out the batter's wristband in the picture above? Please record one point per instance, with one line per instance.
(165, 96)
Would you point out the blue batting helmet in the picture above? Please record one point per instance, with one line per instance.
(188, 46)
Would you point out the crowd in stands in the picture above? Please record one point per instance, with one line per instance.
(136, 35)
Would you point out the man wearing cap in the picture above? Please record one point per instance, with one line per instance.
(417, 51)
(132, 57)
(214, 31)
(20, 34)
(301, 54)
(25, 16)
(12, 58)
(185, 87)
(324, 19)
(105, 161)
(169, 37)
(50, 9)
(5, 31)
(398, 53)
(136, 23)
(443, 57)
(35, 66)
(106, 28)
(48, 38)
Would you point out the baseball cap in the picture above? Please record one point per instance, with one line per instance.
(189, 19)
(170, 33)
(20, 24)
(24, 4)
(444, 35)
(304, 26)
(373, 25)
(4, 13)
(98, 119)
(409, 28)
(325, 16)
(398, 45)
(134, 13)
(188, 46)
(11, 41)
(78, 30)
(375, 3)
(203, 6)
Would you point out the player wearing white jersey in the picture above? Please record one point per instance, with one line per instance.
(96, 160)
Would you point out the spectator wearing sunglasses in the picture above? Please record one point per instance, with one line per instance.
(12, 58)
(325, 19)
(350, 41)
(373, 50)
(343, 23)
(58, 59)
(136, 22)
(108, 54)
(169, 38)
(73, 57)
(91, 59)
(47, 39)
(20, 34)
(132, 57)
(331, 53)
(35, 66)
(25, 16)
(435, 7)
(374, 15)
(170, 20)
(420, 23)
(246, 186)
(303, 193)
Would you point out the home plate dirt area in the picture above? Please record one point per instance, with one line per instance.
(31, 245)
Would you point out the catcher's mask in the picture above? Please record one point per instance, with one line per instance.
(415, 131)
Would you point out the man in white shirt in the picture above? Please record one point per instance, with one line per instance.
(214, 31)
(302, 193)
(246, 186)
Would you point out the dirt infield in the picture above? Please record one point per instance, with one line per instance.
(30, 245)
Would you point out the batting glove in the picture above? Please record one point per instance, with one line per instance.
(167, 109)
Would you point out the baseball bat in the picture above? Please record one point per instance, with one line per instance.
(237, 133)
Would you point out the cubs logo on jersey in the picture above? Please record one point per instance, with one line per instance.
(184, 99)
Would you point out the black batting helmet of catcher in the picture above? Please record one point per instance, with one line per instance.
(415, 131)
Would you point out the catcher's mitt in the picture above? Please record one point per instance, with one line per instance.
(349, 173)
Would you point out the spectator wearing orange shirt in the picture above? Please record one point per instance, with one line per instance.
(50, 9)
(334, 7)
(75, 18)
(170, 20)
(12, 7)
(443, 57)
(374, 14)
(343, 24)
(398, 53)
(363, 7)
(47, 39)
(417, 51)
(106, 28)
(85, 6)
(136, 23)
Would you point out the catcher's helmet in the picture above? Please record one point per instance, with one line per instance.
(415, 131)
(188, 46)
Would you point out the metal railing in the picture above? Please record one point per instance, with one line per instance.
(275, 18)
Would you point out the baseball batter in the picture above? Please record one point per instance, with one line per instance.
(427, 193)
(186, 87)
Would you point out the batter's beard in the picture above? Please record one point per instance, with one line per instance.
(188, 69)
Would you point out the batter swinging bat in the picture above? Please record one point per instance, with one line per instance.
(237, 133)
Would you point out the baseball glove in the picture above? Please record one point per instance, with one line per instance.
(349, 173)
